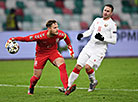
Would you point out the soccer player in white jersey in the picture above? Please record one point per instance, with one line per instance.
(103, 31)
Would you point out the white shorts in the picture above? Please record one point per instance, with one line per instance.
(92, 58)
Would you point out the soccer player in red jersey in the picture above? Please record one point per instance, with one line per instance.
(46, 49)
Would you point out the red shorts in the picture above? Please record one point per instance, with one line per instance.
(40, 60)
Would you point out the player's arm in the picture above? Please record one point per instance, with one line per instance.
(30, 38)
(87, 32)
(112, 39)
(68, 42)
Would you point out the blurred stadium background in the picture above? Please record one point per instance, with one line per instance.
(71, 14)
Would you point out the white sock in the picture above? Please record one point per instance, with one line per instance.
(73, 76)
(92, 77)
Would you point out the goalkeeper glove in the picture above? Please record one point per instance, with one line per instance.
(99, 37)
(9, 41)
(71, 51)
(80, 35)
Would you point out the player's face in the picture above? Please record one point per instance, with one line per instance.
(54, 29)
(107, 12)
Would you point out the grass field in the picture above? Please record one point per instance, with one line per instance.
(118, 82)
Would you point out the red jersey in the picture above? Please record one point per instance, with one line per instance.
(45, 44)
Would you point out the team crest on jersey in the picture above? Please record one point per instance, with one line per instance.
(105, 25)
(57, 39)
(31, 37)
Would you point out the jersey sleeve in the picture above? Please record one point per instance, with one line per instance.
(113, 38)
(34, 37)
(65, 37)
(90, 30)
(67, 40)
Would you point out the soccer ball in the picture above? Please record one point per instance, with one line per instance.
(13, 47)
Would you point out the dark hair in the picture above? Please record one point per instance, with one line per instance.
(50, 22)
(111, 6)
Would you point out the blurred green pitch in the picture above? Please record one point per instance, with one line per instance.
(118, 82)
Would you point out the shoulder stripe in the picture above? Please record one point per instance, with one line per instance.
(65, 36)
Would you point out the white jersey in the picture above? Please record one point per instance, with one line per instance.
(107, 28)
(94, 51)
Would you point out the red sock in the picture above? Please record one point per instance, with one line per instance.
(33, 81)
(90, 72)
(63, 75)
(75, 70)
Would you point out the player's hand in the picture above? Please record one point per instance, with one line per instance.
(80, 35)
(9, 41)
(71, 51)
(99, 37)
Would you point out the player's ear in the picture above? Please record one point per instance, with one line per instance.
(48, 28)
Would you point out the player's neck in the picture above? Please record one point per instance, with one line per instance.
(49, 35)
(106, 18)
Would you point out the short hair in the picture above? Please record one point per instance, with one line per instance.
(111, 6)
(50, 22)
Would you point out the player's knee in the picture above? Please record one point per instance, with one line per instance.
(37, 73)
(38, 76)
(87, 68)
(58, 62)
(79, 67)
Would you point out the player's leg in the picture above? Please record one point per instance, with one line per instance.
(60, 63)
(57, 59)
(34, 79)
(91, 75)
(74, 74)
(64, 77)
(93, 62)
(38, 67)
(81, 61)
